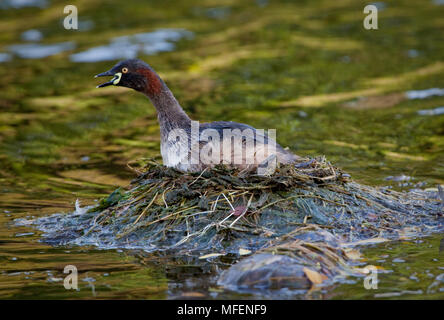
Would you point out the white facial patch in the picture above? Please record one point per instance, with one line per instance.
(117, 77)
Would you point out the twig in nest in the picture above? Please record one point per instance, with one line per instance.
(228, 201)
(146, 208)
(163, 196)
(170, 215)
(134, 169)
(200, 175)
(243, 213)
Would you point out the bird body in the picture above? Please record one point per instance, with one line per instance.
(189, 145)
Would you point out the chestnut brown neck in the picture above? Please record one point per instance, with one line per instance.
(169, 112)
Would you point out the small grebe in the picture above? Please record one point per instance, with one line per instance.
(178, 152)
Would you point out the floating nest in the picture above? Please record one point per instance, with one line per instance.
(309, 213)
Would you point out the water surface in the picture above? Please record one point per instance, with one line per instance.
(368, 100)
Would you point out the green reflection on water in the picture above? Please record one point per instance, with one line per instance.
(308, 69)
(410, 270)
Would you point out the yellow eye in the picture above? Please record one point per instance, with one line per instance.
(124, 70)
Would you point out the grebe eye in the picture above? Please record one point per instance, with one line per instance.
(124, 70)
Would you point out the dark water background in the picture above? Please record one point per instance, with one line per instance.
(306, 68)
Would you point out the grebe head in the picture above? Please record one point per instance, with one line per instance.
(134, 74)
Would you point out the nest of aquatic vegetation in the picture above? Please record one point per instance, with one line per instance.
(162, 201)
(309, 214)
(225, 209)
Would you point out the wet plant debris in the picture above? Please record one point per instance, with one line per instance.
(310, 212)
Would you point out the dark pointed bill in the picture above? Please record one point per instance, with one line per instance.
(106, 74)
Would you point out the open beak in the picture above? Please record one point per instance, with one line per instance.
(115, 80)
